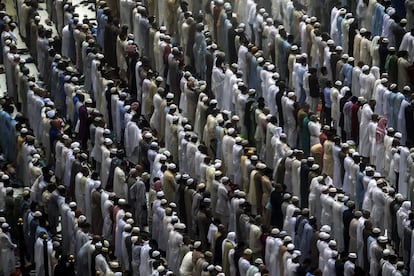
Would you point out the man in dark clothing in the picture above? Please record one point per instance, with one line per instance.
(409, 122)
(347, 216)
(276, 200)
(314, 89)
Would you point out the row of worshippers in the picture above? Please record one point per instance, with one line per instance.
(295, 223)
(380, 146)
(169, 167)
(67, 170)
(250, 82)
(349, 119)
(240, 113)
(84, 31)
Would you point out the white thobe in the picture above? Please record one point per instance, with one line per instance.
(363, 130)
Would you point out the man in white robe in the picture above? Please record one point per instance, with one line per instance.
(366, 115)
(365, 49)
(218, 82)
(120, 186)
(289, 117)
(401, 125)
(133, 138)
(378, 95)
(107, 206)
(227, 148)
(349, 266)
(356, 72)
(119, 229)
(69, 158)
(273, 242)
(7, 247)
(175, 242)
(242, 60)
(236, 158)
(407, 44)
(314, 130)
(39, 255)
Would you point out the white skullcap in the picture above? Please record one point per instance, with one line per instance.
(197, 244)
(332, 243)
(315, 167)
(37, 214)
(260, 165)
(382, 239)
(398, 135)
(352, 255)
(74, 145)
(51, 113)
(326, 228)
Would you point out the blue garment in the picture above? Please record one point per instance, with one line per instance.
(377, 19)
(327, 97)
(284, 48)
(40, 230)
(8, 134)
(305, 243)
(100, 32)
(75, 111)
(301, 72)
(53, 135)
(345, 75)
(252, 73)
(370, 240)
(338, 26)
(223, 31)
(122, 116)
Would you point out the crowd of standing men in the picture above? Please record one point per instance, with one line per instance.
(207, 138)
